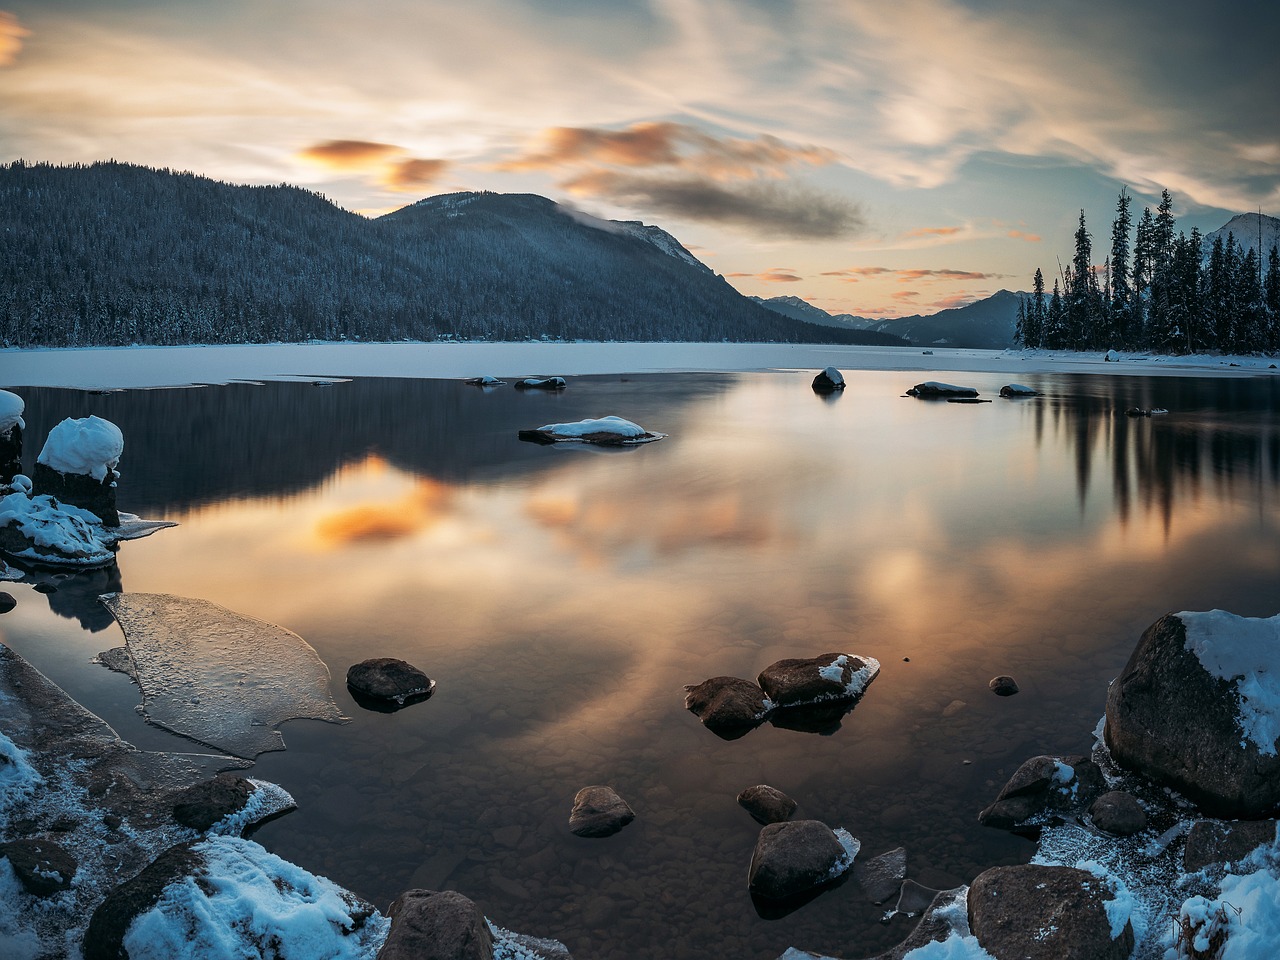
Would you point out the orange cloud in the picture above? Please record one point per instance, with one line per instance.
(11, 37)
(906, 295)
(1022, 235)
(350, 154)
(412, 513)
(961, 299)
(933, 232)
(640, 145)
(906, 276)
(413, 172)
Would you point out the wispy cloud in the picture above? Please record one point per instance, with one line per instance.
(853, 274)
(12, 33)
(773, 275)
(350, 154)
(1023, 235)
(933, 232)
(385, 163)
(413, 173)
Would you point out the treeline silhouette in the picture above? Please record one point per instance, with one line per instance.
(116, 254)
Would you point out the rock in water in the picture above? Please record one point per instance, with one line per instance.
(1035, 912)
(881, 877)
(77, 465)
(727, 706)
(1197, 708)
(217, 677)
(828, 381)
(1211, 842)
(388, 681)
(932, 389)
(426, 925)
(1003, 686)
(766, 804)
(830, 676)
(599, 812)
(794, 858)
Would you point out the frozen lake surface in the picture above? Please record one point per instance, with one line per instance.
(562, 597)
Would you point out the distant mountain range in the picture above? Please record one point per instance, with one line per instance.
(1246, 228)
(113, 253)
(986, 324)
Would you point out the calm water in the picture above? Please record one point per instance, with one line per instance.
(562, 598)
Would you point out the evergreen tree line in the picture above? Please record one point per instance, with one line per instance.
(1157, 291)
(116, 254)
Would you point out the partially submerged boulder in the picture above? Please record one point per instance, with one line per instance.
(1035, 912)
(1018, 390)
(11, 427)
(936, 389)
(1197, 708)
(727, 706)
(387, 683)
(1044, 786)
(77, 465)
(829, 676)
(431, 925)
(230, 804)
(598, 811)
(607, 431)
(766, 804)
(485, 381)
(828, 381)
(1003, 686)
(541, 383)
(795, 858)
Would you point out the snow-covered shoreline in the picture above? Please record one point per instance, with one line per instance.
(113, 368)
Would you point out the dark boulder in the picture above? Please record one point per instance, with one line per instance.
(1003, 686)
(934, 389)
(1017, 390)
(1171, 720)
(79, 490)
(727, 706)
(1212, 841)
(387, 683)
(1034, 912)
(830, 676)
(541, 383)
(599, 812)
(42, 866)
(201, 805)
(104, 937)
(828, 381)
(795, 858)
(1045, 785)
(881, 877)
(7, 602)
(426, 925)
(766, 804)
(1118, 813)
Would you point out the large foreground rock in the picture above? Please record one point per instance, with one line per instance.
(794, 858)
(1034, 912)
(426, 925)
(1171, 719)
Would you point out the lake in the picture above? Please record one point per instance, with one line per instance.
(562, 597)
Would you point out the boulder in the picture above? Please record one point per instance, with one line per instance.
(727, 706)
(1035, 912)
(201, 805)
(1171, 719)
(828, 381)
(1212, 841)
(830, 676)
(430, 925)
(541, 383)
(766, 804)
(599, 812)
(1018, 390)
(7, 602)
(1003, 686)
(795, 858)
(881, 877)
(104, 937)
(388, 683)
(1042, 786)
(42, 866)
(933, 388)
(1118, 813)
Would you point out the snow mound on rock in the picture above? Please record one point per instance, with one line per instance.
(90, 446)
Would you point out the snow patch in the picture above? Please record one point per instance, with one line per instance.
(18, 779)
(61, 532)
(11, 407)
(1246, 650)
(90, 446)
(610, 424)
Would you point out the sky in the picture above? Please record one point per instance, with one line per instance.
(873, 158)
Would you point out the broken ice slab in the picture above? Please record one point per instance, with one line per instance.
(219, 678)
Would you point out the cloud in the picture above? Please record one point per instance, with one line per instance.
(1023, 235)
(773, 275)
(852, 274)
(412, 173)
(350, 154)
(933, 232)
(12, 34)
(787, 209)
(902, 295)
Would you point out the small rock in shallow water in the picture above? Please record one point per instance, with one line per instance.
(767, 804)
(727, 706)
(1003, 686)
(45, 588)
(599, 812)
(390, 681)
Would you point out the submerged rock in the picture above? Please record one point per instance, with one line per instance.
(599, 812)
(828, 381)
(766, 804)
(430, 925)
(42, 866)
(1034, 912)
(727, 706)
(796, 858)
(1197, 708)
(1043, 786)
(934, 388)
(388, 683)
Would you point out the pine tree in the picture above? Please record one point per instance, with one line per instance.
(1082, 297)
(1271, 296)
(1036, 313)
(1054, 333)
(1143, 261)
(1121, 297)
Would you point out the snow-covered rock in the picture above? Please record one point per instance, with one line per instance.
(1197, 708)
(609, 430)
(90, 446)
(829, 676)
(541, 383)
(935, 388)
(45, 530)
(1018, 390)
(828, 381)
(1045, 785)
(11, 407)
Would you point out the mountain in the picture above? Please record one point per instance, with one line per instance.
(986, 324)
(113, 253)
(1245, 228)
(802, 310)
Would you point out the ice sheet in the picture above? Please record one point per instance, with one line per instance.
(217, 677)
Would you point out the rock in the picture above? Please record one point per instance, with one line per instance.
(7, 602)
(828, 381)
(1111, 357)
(933, 388)
(43, 867)
(536, 383)
(1034, 912)
(426, 925)
(881, 877)
(96, 496)
(1044, 785)
(1212, 841)
(599, 812)
(727, 706)
(1118, 813)
(45, 588)
(831, 676)
(104, 937)
(485, 381)
(388, 683)
(610, 431)
(795, 858)
(1018, 390)
(201, 805)
(766, 804)
(1003, 686)
(1170, 719)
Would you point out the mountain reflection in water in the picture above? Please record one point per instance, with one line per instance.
(562, 596)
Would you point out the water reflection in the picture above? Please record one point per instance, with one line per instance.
(562, 598)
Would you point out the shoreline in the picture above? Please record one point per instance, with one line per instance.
(149, 367)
